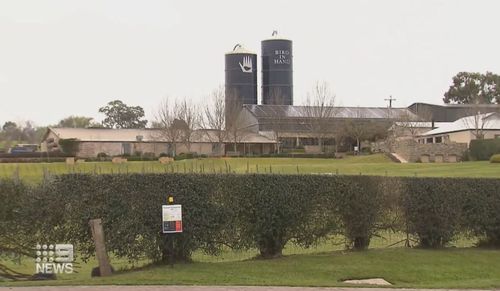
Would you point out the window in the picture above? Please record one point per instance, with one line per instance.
(429, 140)
(216, 148)
(126, 148)
(439, 139)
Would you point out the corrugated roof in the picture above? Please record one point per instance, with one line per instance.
(148, 135)
(420, 124)
(488, 121)
(290, 111)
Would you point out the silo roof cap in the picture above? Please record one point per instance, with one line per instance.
(275, 36)
(240, 49)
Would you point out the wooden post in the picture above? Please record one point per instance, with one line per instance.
(100, 247)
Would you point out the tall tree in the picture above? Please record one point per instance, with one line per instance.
(474, 88)
(11, 131)
(188, 114)
(233, 126)
(171, 128)
(320, 110)
(214, 119)
(358, 127)
(278, 121)
(75, 122)
(119, 115)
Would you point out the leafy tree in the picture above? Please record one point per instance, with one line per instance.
(119, 115)
(9, 125)
(75, 122)
(474, 88)
(11, 131)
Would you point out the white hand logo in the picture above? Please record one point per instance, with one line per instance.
(246, 67)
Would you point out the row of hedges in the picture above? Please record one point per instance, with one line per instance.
(262, 211)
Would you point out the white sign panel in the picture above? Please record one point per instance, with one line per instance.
(172, 218)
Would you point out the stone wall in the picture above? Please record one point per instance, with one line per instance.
(436, 152)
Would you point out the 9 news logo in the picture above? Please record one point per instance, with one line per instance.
(54, 258)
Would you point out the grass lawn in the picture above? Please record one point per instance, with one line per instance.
(449, 268)
(366, 165)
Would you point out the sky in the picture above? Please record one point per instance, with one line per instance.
(61, 58)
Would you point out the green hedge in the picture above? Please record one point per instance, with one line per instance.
(483, 149)
(263, 211)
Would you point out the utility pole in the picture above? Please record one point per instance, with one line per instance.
(390, 99)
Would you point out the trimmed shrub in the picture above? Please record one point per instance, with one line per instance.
(130, 206)
(364, 204)
(433, 209)
(481, 210)
(263, 211)
(495, 158)
(69, 145)
(184, 156)
(271, 210)
(483, 149)
(102, 155)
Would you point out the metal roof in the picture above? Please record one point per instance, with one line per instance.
(488, 121)
(290, 111)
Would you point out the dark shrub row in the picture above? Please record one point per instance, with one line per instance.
(263, 211)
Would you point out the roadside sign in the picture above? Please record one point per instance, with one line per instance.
(172, 218)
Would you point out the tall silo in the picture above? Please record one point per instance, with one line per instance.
(277, 71)
(241, 76)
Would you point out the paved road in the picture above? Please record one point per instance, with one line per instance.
(201, 288)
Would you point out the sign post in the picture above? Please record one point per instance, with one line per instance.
(171, 223)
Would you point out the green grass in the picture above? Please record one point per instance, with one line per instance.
(324, 264)
(449, 268)
(366, 165)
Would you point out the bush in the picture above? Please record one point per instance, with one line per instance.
(363, 204)
(483, 149)
(69, 146)
(433, 209)
(130, 207)
(263, 211)
(271, 210)
(102, 155)
(481, 210)
(183, 156)
(495, 158)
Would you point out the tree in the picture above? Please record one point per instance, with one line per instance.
(358, 127)
(277, 122)
(188, 114)
(119, 115)
(409, 125)
(320, 110)
(76, 122)
(170, 126)
(474, 88)
(214, 117)
(8, 125)
(233, 126)
(476, 121)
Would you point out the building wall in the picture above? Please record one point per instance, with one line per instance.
(413, 151)
(461, 136)
(91, 149)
